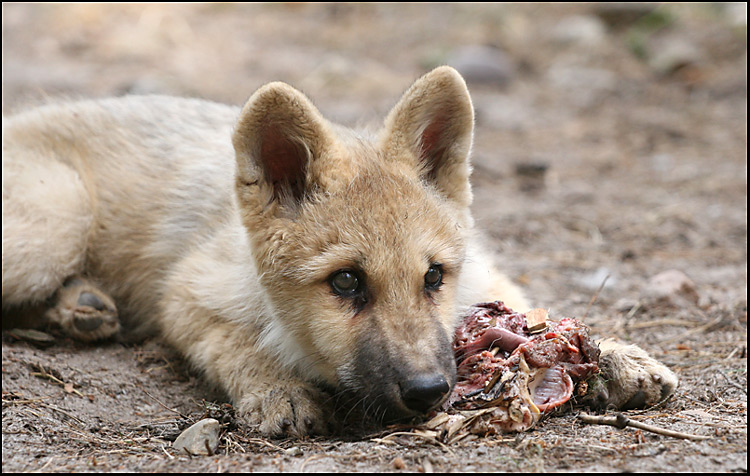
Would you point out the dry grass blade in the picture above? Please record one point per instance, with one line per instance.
(594, 297)
(733, 383)
(424, 437)
(43, 373)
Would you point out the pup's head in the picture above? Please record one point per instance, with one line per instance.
(359, 241)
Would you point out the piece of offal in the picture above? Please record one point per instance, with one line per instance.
(509, 375)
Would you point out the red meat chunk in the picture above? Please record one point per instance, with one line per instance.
(501, 364)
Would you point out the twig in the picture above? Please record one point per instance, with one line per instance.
(694, 330)
(166, 452)
(429, 439)
(621, 421)
(26, 401)
(184, 417)
(732, 382)
(60, 410)
(261, 441)
(594, 298)
(68, 387)
(661, 322)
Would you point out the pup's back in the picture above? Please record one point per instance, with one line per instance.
(121, 186)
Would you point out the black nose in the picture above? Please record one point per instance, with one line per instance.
(424, 392)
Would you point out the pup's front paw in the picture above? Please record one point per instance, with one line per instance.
(295, 409)
(633, 378)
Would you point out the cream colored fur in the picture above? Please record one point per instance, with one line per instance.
(222, 229)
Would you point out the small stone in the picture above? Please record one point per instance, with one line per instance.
(38, 338)
(625, 304)
(201, 438)
(293, 451)
(579, 29)
(582, 86)
(483, 64)
(670, 287)
(601, 277)
(673, 53)
(398, 463)
(737, 13)
(531, 176)
(620, 15)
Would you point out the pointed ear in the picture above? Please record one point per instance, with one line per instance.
(431, 128)
(278, 135)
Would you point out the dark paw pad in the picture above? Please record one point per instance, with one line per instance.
(87, 324)
(636, 401)
(91, 300)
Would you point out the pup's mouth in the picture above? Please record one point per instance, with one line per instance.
(387, 388)
(388, 401)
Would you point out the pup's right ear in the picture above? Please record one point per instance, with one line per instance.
(278, 135)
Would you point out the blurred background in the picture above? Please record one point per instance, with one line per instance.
(344, 54)
(611, 138)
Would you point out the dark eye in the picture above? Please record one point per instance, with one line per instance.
(344, 283)
(433, 278)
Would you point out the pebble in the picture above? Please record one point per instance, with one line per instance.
(671, 287)
(531, 176)
(673, 53)
(625, 304)
(579, 29)
(737, 13)
(601, 277)
(202, 438)
(38, 338)
(294, 451)
(620, 15)
(582, 86)
(483, 64)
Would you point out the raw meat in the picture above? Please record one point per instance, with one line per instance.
(507, 376)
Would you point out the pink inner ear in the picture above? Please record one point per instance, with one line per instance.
(432, 146)
(283, 163)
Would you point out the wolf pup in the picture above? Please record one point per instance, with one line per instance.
(280, 253)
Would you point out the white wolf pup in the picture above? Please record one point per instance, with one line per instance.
(281, 254)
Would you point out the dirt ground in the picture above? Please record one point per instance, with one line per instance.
(611, 146)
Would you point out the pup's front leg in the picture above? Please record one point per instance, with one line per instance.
(267, 394)
(280, 403)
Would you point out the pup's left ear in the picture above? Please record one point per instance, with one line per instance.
(431, 129)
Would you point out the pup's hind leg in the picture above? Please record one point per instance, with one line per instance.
(46, 221)
(84, 311)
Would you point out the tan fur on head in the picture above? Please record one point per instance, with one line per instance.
(306, 192)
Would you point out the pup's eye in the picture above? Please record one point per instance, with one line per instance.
(344, 283)
(433, 278)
